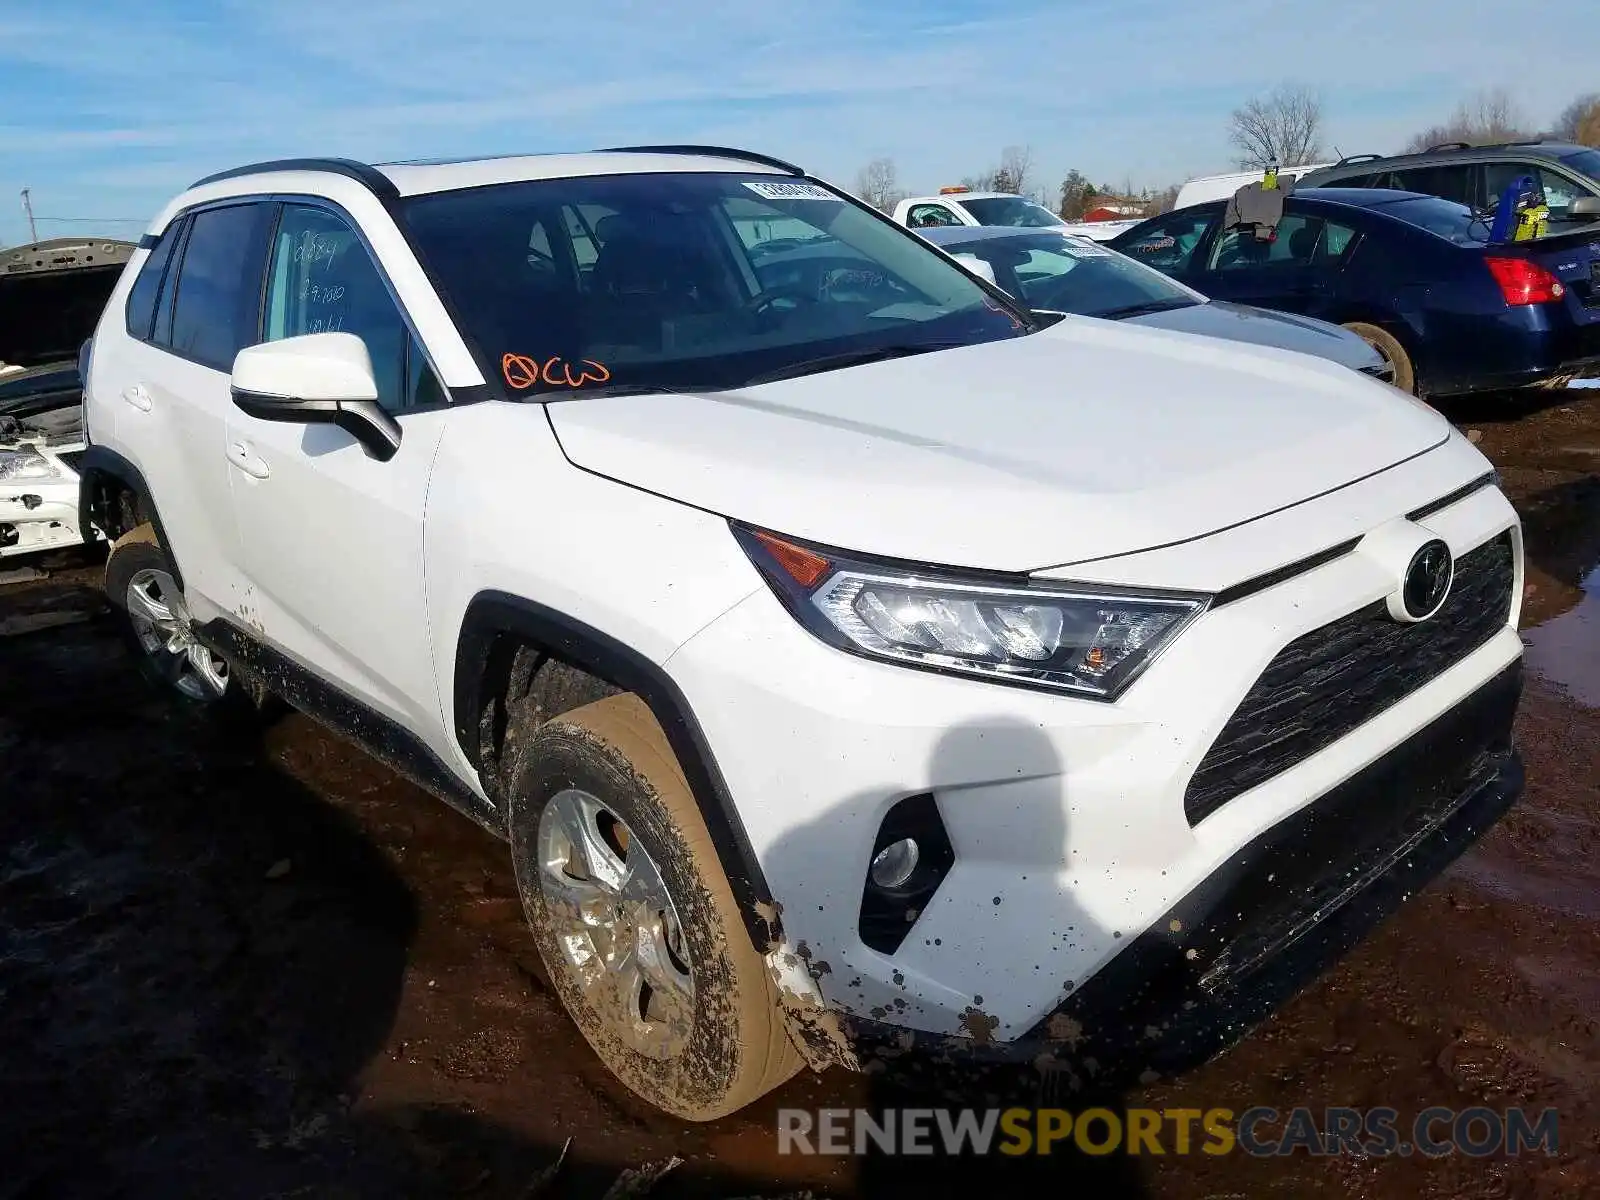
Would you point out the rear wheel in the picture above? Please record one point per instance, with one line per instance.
(634, 918)
(1392, 352)
(156, 623)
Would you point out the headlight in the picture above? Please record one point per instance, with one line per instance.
(24, 466)
(1089, 642)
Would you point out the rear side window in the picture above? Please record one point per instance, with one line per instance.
(1446, 182)
(217, 308)
(141, 310)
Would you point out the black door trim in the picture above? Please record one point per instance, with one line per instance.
(386, 740)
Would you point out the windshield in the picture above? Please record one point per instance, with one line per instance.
(1010, 210)
(1454, 222)
(693, 281)
(1075, 275)
(1586, 162)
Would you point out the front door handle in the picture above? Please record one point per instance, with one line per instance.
(248, 461)
(138, 397)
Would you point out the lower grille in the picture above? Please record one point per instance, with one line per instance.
(1334, 679)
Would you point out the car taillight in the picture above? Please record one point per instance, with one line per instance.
(1524, 282)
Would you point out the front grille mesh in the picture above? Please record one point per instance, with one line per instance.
(1331, 680)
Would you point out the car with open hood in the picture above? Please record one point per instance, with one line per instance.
(857, 663)
(51, 296)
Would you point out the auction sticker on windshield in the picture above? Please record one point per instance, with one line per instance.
(1084, 248)
(791, 191)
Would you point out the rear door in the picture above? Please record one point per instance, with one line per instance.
(1296, 272)
(171, 386)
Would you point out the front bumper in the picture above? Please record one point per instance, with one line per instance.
(39, 516)
(1277, 913)
(1069, 822)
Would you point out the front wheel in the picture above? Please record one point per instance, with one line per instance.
(633, 916)
(1389, 348)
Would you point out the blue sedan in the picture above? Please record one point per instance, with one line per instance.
(1414, 275)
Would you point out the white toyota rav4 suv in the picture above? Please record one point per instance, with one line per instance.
(857, 664)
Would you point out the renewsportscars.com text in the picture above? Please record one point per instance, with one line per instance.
(1259, 1131)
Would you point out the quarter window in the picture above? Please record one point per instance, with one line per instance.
(141, 310)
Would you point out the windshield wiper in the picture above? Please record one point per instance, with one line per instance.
(1148, 306)
(853, 358)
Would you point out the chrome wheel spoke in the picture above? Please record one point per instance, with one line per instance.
(161, 622)
(615, 923)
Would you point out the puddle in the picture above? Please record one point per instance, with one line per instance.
(1565, 650)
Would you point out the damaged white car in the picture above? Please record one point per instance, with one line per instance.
(857, 662)
(51, 295)
(41, 441)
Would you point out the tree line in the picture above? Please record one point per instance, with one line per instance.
(1286, 125)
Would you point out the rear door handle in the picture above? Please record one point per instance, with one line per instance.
(248, 461)
(138, 397)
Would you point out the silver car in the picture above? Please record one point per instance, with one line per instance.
(1056, 272)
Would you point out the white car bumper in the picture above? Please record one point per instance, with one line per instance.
(38, 514)
(1071, 834)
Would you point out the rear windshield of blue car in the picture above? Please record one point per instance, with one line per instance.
(1444, 218)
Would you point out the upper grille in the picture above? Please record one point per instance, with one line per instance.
(1331, 680)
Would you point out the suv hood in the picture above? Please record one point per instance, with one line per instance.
(1086, 440)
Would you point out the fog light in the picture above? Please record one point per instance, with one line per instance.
(894, 864)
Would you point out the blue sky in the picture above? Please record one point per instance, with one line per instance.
(106, 115)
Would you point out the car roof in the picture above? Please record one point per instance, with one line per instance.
(390, 181)
(1444, 155)
(988, 233)
(944, 196)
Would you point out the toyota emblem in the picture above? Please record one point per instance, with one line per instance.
(1427, 580)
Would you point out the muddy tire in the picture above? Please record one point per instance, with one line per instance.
(702, 1035)
(1386, 344)
(154, 623)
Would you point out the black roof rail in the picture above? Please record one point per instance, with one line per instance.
(1448, 146)
(712, 152)
(371, 178)
(1355, 158)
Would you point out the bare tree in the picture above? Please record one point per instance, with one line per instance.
(1012, 173)
(875, 183)
(1480, 120)
(1580, 121)
(1285, 124)
(1163, 201)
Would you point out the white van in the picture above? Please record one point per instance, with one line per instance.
(1220, 187)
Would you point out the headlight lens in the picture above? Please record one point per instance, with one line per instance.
(24, 466)
(1086, 642)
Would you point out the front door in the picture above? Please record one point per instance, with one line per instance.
(332, 538)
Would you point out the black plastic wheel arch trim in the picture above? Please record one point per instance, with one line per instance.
(492, 614)
(98, 461)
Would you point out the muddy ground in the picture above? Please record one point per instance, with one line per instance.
(265, 967)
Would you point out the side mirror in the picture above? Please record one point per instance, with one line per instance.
(976, 265)
(1585, 209)
(316, 379)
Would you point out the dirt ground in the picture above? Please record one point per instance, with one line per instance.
(265, 967)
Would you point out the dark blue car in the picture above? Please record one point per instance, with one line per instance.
(1415, 275)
